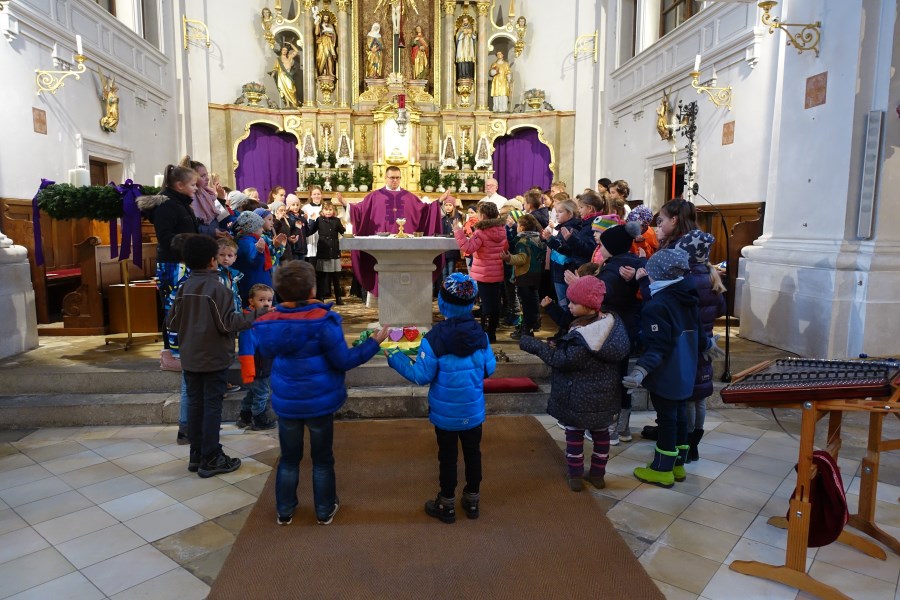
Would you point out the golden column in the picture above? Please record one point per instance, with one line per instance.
(482, 67)
(343, 53)
(449, 55)
(309, 56)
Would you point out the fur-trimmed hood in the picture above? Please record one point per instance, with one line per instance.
(596, 332)
(148, 203)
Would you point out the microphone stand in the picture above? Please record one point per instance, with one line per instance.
(726, 375)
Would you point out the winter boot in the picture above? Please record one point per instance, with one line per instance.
(678, 471)
(650, 432)
(659, 472)
(194, 461)
(575, 458)
(441, 508)
(218, 464)
(470, 504)
(262, 422)
(599, 459)
(623, 428)
(492, 321)
(338, 292)
(245, 420)
(693, 441)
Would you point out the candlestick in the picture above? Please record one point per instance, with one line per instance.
(697, 64)
(158, 180)
(78, 47)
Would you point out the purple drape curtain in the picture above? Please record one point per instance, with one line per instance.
(520, 162)
(265, 159)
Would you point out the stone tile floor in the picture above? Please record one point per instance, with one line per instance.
(112, 512)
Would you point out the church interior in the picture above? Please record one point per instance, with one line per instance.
(778, 121)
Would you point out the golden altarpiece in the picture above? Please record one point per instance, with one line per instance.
(407, 83)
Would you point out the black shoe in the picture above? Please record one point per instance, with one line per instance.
(262, 422)
(194, 462)
(182, 439)
(518, 333)
(441, 508)
(218, 465)
(470, 504)
(245, 420)
(327, 520)
(339, 301)
(650, 432)
(284, 520)
(232, 388)
(537, 325)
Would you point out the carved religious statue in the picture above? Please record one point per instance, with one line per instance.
(284, 74)
(374, 53)
(419, 54)
(465, 50)
(500, 83)
(326, 44)
(663, 113)
(110, 120)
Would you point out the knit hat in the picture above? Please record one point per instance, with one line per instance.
(616, 240)
(697, 245)
(669, 264)
(604, 222)
(515, 214)
(275, 206)
(514, 204)
(236, 199)
(248, 222)
(457, 295)
(263, 212)
(641, 214)
(587, 291)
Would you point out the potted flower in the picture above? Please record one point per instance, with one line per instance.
(467, 160)
(314, 178)
(342, 180)
(450, 181)
(430, 178)
(362, 177)
(473, 182)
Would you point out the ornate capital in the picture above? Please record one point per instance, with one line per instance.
(449, 7)
(308, 4)
(483, 8)
(342, 5)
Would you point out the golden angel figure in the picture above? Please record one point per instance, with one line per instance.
(110, 121)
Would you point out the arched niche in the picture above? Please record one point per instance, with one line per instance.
(267, 157)
(522, 159)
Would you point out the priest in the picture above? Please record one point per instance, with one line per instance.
(378, 212)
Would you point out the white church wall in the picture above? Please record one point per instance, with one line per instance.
(146, 137)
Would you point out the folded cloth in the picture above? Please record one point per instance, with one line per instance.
(502, 385)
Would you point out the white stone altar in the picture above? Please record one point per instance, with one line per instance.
(18, 331)
(404, 271)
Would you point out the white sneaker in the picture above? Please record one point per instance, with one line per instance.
(625, 436)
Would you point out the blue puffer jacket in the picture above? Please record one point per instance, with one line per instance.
(454, 358)
(670, 330)
(310, 359)
(712, 306)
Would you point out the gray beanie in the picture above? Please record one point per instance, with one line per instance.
(669, 264)
(236, 199)
(247, 223)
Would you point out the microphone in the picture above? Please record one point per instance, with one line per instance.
(726, 375)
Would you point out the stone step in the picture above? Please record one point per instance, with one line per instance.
(369, 402)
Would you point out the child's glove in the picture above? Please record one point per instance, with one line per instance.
(633, 380)
(713, 352)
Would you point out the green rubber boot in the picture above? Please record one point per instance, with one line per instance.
(659, 472)
(678, 470)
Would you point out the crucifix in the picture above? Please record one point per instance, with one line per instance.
(397, 21)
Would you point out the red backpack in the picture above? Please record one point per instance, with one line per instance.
(829, 511)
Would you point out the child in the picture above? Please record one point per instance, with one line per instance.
(554, 235)
(229, 277)
(277, 242)
(528, 263)
(509, 300)
(646, 243)
(486, 245)
(306, 342)
(311, 212)
(328, 253)
(585, 394)
(670, 324)
(255, 369)
(204, 317)
(299, 225)
(454, 357)
(676, 218)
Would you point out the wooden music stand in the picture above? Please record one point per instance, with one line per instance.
(128, 338)
(793, 572)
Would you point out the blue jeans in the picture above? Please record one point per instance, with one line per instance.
(321, 437)
(206, 392)
(561, 298)
(258, 394)
(183, 412)
(671, 418)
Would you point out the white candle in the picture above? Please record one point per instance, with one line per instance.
(79, 177)
(697, 64)
(158, 180)
(80, 51)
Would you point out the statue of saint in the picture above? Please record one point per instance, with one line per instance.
(374, 53)
(326, 45)
(465, 50)
(663, 112)
(419, 54)
(110, 120)
(284, 74)
(500, 83)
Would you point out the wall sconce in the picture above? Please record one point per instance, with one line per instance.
(805, 39)
(720, 96)
(586, 44)
(50, 81)
(189, 28)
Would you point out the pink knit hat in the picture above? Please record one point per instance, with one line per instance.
(587, 291)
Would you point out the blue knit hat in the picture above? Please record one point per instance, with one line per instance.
(697, 245)
(262, 212)
(457, 295)
(669, 264)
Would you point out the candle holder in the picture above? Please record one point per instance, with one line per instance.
(50, 81)
(400, 223)
(720, 96)
(807, 38)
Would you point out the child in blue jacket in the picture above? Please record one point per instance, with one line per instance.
(306, 342)
(454, 357)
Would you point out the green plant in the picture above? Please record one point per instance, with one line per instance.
(362, 174)
(341, 178)
(467, 160)
(97, 202)
(314, 178)
(451, 180)
(431, 176)
(472, 180)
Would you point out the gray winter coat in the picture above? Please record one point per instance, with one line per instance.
(585, 384)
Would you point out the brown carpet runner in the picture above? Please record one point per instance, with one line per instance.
(535, 538)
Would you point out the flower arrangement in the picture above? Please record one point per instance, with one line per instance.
(314, 178)
(362, 175)
(430, 177)
(451, 181)
(342, 180)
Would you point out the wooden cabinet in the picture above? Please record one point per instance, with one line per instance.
(144, 301)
